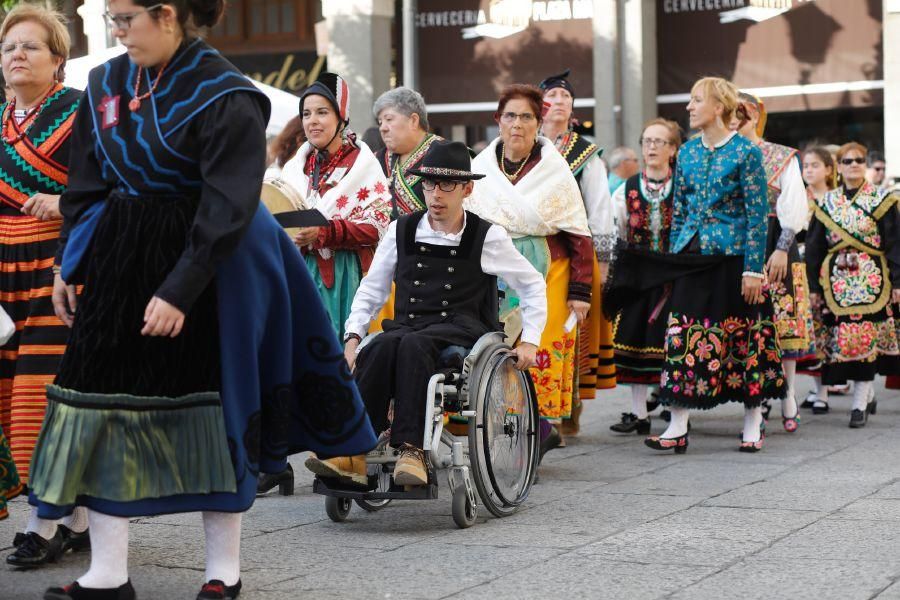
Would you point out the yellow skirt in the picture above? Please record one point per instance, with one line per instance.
(596, 365)
(387, 312)
(554, 374)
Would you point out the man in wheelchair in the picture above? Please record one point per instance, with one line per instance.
(444, 263)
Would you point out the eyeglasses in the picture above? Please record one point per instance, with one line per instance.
(850, 161)
(123, 20)
(654, 142)
(510, 117)
(446, 185)
(29, 47)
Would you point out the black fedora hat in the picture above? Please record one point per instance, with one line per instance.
(446, 160)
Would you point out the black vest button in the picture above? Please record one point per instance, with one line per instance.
(450, 269)
(453, 253)
(423, 248)
(444, 303)
(447, 286)
(417, 283)
(419, 265)
(412, 316)
(443, 314)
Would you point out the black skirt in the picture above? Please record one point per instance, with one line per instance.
(718, 348)
(639, 333)
(137, 243)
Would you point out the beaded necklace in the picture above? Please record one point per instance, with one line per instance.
(513, 176)
(27, 122)
(135, 104)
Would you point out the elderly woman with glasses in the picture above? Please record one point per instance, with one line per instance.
(853, 266)
(36, 129)
(531, 192)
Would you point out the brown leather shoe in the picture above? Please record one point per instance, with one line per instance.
(349, 470)
(410, 468)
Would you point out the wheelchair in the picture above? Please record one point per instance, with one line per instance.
(495, 463)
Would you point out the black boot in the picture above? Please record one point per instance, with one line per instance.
(858, 418)
(284, 481)
(76, 592)
(76, 542)
(34, 551)
(631, 424)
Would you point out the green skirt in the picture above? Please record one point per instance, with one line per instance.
(338, 298)
(10, 486)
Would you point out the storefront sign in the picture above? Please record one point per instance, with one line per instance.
(291, 72)
(825, 53)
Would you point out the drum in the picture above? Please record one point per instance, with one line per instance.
(281, 197)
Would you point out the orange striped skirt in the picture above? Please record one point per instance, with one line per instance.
(29, 361)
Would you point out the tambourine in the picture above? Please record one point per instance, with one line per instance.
(281, 197)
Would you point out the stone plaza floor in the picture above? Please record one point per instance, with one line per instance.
(816, 514)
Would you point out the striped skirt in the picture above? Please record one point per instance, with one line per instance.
(30, 360)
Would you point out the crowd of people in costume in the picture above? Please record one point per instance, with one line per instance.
(170, 344)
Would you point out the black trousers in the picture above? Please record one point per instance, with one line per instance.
(398, 364)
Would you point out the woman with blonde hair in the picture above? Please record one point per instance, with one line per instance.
(720, 341)
(36, 129)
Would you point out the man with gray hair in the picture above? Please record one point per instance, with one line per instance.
(623, 163)
(403, 124)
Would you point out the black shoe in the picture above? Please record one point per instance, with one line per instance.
(76, 592)
(679, 444)
(217, 590)
(35, 551)
(284, 481)
(631, 424)
(18, 539)
(820, 407)
(809, 401)
(858, 418)
(76, 542)
(552, 441)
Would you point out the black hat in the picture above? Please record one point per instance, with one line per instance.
(446, 160)
(334, 89)
(555, 81)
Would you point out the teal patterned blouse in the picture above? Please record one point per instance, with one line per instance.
(720, 196)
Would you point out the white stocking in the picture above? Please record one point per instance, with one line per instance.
(789, 404)
(679, 423)
(223, 546)
(639, 400)
(109, 552)
(752, 421)
(862, 391)
(821, 390)
(43, 527)
(78, 520)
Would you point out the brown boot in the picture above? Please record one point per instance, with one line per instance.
(349, 470)
(410, 468)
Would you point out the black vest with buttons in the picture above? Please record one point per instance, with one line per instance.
(444, 283)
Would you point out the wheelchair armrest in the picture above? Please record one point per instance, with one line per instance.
(366, 341)
(488, 339)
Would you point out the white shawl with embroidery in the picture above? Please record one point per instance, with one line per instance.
(361, 193)
(545, 201)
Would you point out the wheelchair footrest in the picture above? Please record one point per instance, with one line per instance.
(425, 492)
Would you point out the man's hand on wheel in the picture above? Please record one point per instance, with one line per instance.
(525, 354)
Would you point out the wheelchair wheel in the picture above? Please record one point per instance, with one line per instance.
(503, 435)
(464, 512)
(384, 485)
(337, 509)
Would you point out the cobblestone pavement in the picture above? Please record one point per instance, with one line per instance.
(815, 515)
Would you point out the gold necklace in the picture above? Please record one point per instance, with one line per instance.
(503, 164)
